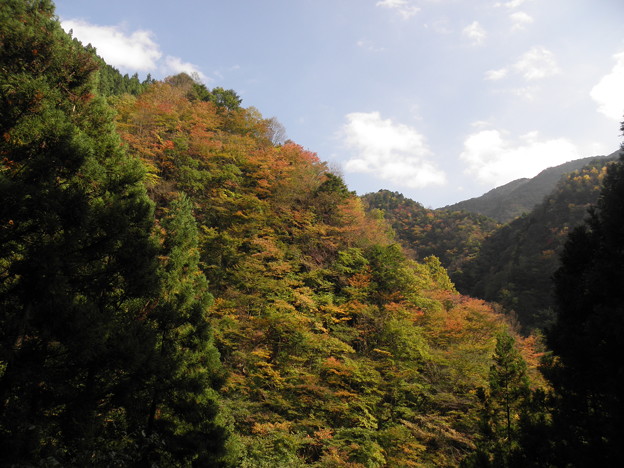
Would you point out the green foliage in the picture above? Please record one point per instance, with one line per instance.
(195, 90)
(96, 340)
(225, 98)
(508, 383)
(452, 236)
(183, 408)
(515, 264)
(578, 422)
(521, 196)
(502, 403)
(340, 350)
(586, 336)
(78, 263)
(251, 314)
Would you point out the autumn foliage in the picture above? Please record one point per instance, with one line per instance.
(340, 351)
(181, 286)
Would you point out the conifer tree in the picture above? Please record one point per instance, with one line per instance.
(502, 405)
(508, 384)
(77, 265)
(587, 337)
(183, 407)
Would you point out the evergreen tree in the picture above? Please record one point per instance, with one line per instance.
(587, 337)
(508, 385)
(183, 407)
(77, 263)
(79, 377)
(502, 404)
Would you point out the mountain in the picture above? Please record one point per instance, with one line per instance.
(177, 288)
(340, 350)
(510, 264)
(452, 236)
(515, 264)
(509, 201)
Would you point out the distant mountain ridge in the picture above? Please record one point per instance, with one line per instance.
(515, 264)
(520, 196)
(509, 263)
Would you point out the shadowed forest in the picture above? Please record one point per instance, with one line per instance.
(180, 285)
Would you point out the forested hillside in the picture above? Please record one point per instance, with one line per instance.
(454, 237)
(179, 286)
(515, 264)
(520, 196)
(510, 264)
(339, 349)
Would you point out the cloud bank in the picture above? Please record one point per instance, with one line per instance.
(494, 159)
(393, 152)
(135, 52)
(609, 92)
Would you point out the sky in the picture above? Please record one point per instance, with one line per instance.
(440, 100)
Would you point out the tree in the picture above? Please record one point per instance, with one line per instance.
(183, 408)
(502, 405)
(225, 98)
(77, 266)
(587, 336)
(275, 131)
(191, 86)
(100, 347)
(508, 382)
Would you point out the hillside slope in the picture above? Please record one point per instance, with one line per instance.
(340, 350)
(179, 289)
(453, 236)
(515, 264)
(520, 196)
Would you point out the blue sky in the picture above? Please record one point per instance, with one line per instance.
(441, 100)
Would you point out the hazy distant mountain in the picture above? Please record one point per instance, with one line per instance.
(509, 201)
(515, 264)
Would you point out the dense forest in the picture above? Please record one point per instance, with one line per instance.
(455, 237)
(510, 264)
(515, 264)
(180, 286)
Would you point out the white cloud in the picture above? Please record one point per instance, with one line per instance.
(405, 8)
(494, 159)
(494, 75)
(609, 92)
(135, 51)
(535, 64)
(475, 33)
(520, 20)
(369, 45)
(480, 124)
(510, 4)
(393, 152)
(176, 65)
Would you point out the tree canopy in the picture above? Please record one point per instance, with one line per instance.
(182, 286)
